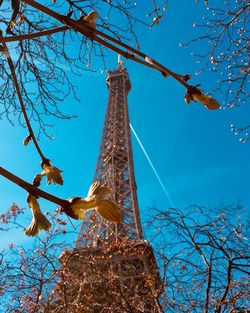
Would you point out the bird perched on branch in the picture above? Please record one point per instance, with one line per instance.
(90, 19)
(95, 199)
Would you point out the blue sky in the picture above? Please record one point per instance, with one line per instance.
(199, 160)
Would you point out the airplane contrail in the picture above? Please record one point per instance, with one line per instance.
(152, 166)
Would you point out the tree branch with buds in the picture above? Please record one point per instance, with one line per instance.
(83, 27)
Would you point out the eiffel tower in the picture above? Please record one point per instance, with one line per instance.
(112, 268)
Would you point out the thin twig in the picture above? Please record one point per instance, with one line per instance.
(15, 81)
(91, 33)
(34, 35)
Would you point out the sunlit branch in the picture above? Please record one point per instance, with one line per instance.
(156, 65)
(33, 190)
(34, 35)
(91, 33)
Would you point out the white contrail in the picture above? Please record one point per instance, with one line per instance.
(152, 166)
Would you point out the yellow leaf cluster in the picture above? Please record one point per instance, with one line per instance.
(53, 173)
(39, 221)
(196, 94)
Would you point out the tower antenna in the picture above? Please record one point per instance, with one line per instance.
(120, 62)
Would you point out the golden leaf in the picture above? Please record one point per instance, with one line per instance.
(196, 94)
(98, 190)
(209, 102)
(108, 210)
(39, 221)
(77, 207)
(53, 173)
(95, 200)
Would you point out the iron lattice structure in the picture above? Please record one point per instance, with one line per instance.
(112, 269)
(121, 277)
(115, 167)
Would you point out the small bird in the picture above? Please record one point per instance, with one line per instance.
(90, 19)
(39, 221)
(95, 200)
